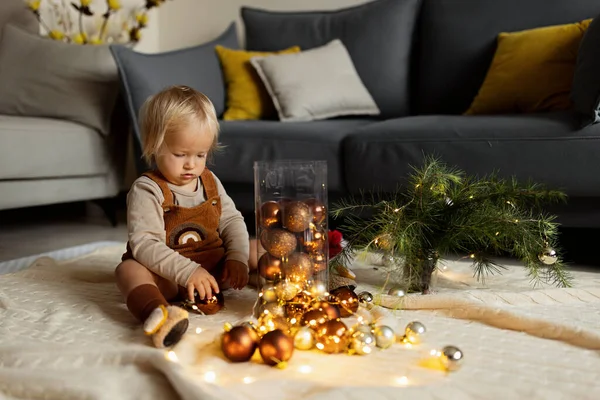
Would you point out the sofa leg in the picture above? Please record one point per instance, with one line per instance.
(109, 206)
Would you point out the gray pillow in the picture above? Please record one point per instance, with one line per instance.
(378, 36)
(585, 90)
(40, 77)
(16, 13)
(143, 75)
(315, 84)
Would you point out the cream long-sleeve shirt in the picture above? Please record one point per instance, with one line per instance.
(147, 236)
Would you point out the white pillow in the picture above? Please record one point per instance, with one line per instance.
(315, 84)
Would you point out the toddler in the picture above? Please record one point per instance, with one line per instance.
(186, 237)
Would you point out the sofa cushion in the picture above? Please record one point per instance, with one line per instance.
(40, 77)
(293, 79)
(378, 36)
(13, 12)
(35, 148)
(143, 75)
(585, 92)
(457, 41)
(249, 141)
(547, 147)
(247, 97)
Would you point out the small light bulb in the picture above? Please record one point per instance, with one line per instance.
(172, 356)
(210, 376)
(402, 380)
(198, 330)
(320, 346)
(305, 369)
(248, 379)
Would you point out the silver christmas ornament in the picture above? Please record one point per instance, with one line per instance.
(397, 292)
(451, 358)
(384, 336)
(365, 297)
(413, 332)
(304, 338)
(362, 342)
(548, 256)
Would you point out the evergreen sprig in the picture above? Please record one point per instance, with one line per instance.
(441, 211)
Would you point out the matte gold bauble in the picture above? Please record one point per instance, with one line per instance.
(332, 310)
(332, 336)
(269, 215)
(276, 347)
(269, 267)
(297, 267)
(318, 210)
(314, 318)
(346, 299)
(304, 339)
(278, 242)
(297, 216)
(239, 343)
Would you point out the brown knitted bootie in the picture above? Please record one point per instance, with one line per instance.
(166, 325)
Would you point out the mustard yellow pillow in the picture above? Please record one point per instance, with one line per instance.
(532, 71)
(247, 97)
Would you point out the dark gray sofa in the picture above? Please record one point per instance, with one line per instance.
(423, 61)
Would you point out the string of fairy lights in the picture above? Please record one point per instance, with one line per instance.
(295, 310)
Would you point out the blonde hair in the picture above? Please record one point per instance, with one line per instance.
(169, 111)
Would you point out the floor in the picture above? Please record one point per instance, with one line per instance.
(31, 231)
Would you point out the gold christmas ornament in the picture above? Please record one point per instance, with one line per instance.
(270, 215)
(318, 210)
(273, 308)
(269, 267)
(271, 322)
(396, 292)
(278, 242)
(451, 358)
(297, 306)
(276, 347)
(332, 310)
(268, 295)
(298, 267)
(304, 339)
(239, 343)
(319, 262)
(286, 290)
(331, 336)
(548, 256)
(384, 336)
(297, 216)
(314, 318)
(362, 343)
(414, 331)
(346, 299)
(315, 241)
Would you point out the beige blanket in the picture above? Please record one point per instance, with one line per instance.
(65, 334)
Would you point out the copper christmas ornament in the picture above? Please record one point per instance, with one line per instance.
(319, 262)
(297, 267)
(296, 307)
(269, 215)
(314, 241)
(347, 300)
(278, 242)
(239, 343)
(276, 347)
(318, 210)
(208, 306)
(314, 318)
(269, 267)
(296, 216)
(332, 310)
(332, 336)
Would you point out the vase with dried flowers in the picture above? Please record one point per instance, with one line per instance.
(93, 21)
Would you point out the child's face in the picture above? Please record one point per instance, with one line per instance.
(182, 157)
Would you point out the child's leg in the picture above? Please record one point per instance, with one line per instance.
(146, 297)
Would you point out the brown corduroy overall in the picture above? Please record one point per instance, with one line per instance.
(191, 231)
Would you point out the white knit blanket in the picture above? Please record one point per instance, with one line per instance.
(66, 334)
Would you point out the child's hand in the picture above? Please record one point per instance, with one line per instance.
(202, 281)
(236, 272)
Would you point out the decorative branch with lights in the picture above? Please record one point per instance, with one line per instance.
(441, 212)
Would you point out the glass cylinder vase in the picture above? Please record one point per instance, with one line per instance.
(291, 228)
